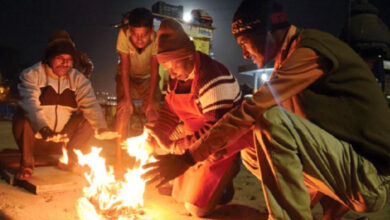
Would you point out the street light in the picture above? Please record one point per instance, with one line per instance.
(264, 77)
(187, 17)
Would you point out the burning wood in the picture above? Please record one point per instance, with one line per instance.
(108, 198)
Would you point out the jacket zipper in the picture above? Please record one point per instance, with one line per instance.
(58, 98)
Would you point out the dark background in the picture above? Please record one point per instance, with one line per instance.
(27, 24)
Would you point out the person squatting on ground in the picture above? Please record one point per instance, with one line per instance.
(200, 91)
(57, 104)
(137, 76)
(320, 124)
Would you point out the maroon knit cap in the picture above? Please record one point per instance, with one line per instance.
(173, 42)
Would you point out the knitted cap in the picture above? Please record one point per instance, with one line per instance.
(59, 43)
(59, 35)
(173, 42)
(258, 15)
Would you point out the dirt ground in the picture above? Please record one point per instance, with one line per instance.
(248, 203)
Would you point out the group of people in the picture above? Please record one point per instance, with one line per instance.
(316, 131)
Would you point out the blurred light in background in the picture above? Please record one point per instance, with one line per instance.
(264, 77)
(187, 17)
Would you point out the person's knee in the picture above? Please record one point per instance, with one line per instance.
(80, 127)
(86, 128)
(196, 211)
(21, 128)
(273, 115)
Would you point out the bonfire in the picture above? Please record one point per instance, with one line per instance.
(106, 197)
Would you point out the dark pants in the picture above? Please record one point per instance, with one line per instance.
(78, 130)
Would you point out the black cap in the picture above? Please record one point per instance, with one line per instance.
(260, 16)
(59, 43)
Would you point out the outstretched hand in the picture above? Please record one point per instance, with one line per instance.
(57, 138)
(163, 142)
(125, 106)
(51, 136)
(104, 134)
(167, 167)
(151, 112)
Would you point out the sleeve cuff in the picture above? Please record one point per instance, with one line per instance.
(196, 154)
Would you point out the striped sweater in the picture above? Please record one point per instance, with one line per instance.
(216, 92)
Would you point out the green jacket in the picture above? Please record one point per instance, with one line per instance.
(347, 101)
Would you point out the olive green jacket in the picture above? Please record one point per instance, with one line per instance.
(346, 101)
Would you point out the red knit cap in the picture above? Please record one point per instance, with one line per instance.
(173, 42)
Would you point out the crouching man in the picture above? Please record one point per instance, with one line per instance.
(57, 105)
(200, 92)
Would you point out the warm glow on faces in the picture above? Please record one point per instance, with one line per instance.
(180, 69)
(259, 48)
(140, 36)
(61, 64)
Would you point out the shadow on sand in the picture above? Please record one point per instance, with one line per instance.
(237, 212)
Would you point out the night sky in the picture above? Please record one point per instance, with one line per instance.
(27, 24)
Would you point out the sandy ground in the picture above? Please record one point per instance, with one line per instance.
(248, 203)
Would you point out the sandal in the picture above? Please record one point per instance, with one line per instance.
(24, 173)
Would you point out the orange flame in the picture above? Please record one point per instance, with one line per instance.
(64, 158)
(107, 196)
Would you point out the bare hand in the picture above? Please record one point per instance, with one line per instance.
(164, 143)
(104, 134)
(151, 112)
(129, 106)
(166, 168)
(151, 144)
(125, 106)
(57, 138)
